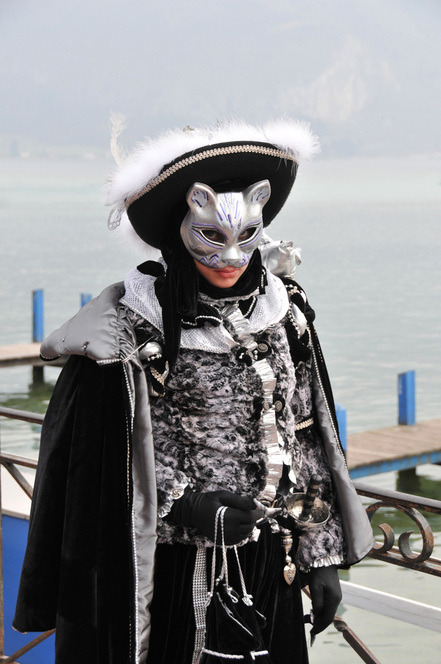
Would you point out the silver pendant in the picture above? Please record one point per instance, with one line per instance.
(289, 571)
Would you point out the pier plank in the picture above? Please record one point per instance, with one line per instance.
(24, 353)
(394, 447)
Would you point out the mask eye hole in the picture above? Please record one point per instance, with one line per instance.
(212, 236)
(248, 234)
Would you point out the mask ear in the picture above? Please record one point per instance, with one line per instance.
(259, 193)
(199, 196)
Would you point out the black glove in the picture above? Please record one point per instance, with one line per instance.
(198, 510)
(325, 589)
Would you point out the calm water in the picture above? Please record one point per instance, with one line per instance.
(371, 245)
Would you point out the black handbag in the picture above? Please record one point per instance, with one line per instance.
(233, 625)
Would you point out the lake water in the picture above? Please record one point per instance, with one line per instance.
(371, 245)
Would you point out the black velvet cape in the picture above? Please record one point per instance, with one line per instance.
(77, 571)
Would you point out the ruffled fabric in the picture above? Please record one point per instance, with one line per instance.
(262, 311)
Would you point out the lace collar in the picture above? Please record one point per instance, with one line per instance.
(208, 334)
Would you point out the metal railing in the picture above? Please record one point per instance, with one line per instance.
(10, 463)
(401, 555)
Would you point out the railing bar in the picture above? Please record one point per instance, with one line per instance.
(427, 504)
(355, 642)
(13, 413)
(18, 460)
(38, 639)
(396, 551)
(18, 477)
(394, 557)
(352, 639)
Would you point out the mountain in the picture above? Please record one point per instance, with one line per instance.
(364, 74)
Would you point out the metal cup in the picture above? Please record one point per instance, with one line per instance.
(317, 515)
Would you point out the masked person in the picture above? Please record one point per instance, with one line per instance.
(194, 403)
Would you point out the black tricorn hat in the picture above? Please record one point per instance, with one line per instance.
(152, 185)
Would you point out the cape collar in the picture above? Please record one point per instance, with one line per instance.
(206, 332)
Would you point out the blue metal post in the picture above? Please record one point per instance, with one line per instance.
(37, 315)
(406, 398)
(85, 297)
(342, 424)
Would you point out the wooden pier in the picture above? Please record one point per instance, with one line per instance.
(395, 448)
(17, 354)
(25, 353)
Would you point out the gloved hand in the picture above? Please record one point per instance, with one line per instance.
(325, 589)
(198, 510)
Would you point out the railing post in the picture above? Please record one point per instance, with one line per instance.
(406, 398)
(342, 424)
(37, 315)
(37, 329)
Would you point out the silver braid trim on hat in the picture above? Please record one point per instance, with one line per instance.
(206, 154)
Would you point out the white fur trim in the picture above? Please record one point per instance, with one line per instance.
(147, 160)
(295, 137)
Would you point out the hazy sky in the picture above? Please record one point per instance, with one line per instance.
(364, 73)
